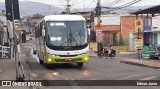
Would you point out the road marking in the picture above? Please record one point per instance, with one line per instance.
(132, 76)
(67, 78)
(149, 78)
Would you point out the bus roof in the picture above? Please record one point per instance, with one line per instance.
(64, 18)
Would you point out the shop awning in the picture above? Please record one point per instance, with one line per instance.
(150, 10)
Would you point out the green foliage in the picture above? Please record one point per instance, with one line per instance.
(115, 40)
(107, 42)
(121, 41)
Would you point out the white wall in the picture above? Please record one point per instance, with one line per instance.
(109, 20)
(156, 23)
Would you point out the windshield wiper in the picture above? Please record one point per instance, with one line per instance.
(70, 38)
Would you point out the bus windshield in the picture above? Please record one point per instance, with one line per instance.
(66, 33)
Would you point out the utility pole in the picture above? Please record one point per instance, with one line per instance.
(98, 26)
(68, 7)
(98, 12)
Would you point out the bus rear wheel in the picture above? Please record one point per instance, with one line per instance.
(80, 64)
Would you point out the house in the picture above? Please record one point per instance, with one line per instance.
(110, 27)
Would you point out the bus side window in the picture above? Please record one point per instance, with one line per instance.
(38, 31)
(41, 27)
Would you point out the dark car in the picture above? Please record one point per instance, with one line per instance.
(155, 52)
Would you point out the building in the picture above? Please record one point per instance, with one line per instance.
(155, 30)
(4, 30)
(110, 27)
(127, 26)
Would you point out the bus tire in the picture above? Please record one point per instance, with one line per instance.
(40, 61)
(34, 52)
(49, 66)
(80, 64)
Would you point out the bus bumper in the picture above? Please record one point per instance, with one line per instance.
(58, 59)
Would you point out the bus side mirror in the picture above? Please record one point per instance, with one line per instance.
(43, 32)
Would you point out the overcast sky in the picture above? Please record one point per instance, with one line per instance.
(92, 3)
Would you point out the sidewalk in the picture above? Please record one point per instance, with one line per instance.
(8, 70)
(120, 54)
(151, 63)
(132, 58)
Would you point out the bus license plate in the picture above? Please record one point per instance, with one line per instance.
(68, 59)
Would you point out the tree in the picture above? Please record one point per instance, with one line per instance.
(115, 41)
(121, 41)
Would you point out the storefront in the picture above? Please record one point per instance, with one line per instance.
(148, 36)
(156, 30)
(158, 41)
(156, 35)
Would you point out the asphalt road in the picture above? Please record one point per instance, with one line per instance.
(95, 69)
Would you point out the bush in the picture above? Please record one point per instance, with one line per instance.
(121, 41)
(115, 41)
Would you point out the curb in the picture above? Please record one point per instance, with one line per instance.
(139, 64)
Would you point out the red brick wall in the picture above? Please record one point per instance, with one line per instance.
(110, 28)
(107, 31)
(127, 24)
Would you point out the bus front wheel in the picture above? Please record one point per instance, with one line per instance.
(80, 64)
(40, 61)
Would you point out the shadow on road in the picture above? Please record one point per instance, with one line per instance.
(63, 66)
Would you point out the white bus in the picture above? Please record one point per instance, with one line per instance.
(62, 39)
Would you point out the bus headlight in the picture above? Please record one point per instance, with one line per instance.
(86, 58)
(49, 59)
(51, 54)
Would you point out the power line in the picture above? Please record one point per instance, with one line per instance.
(78, 3)
(125, 5)
(95, 1)
(128, 4)
(89, 5)
(113, 3)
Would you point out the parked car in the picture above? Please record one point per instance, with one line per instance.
(155, 52)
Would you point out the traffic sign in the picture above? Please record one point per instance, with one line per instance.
(98, 26)
(146, 52)
(138, 43)
(98, 32)
(99, 35)
(5, 52)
